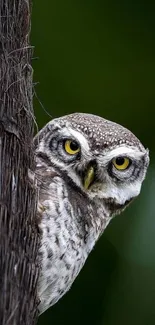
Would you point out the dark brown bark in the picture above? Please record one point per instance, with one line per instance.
(18, 195)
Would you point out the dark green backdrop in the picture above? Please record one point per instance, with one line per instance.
(99, 57)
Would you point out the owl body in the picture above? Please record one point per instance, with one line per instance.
(88, 169)
(68, 232)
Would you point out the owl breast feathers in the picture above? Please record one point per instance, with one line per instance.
(88, 169)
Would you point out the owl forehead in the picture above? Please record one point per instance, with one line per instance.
(100, 132)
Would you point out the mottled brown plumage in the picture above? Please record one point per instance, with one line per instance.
(88, 170)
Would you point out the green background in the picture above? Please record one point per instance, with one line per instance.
(99, 57)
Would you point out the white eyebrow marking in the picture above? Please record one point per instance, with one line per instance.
(131, 152)
(77, 135)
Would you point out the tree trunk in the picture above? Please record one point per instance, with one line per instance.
(19, 237)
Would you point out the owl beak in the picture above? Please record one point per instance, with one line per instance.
(89, 177)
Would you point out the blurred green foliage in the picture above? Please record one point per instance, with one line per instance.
(99, 57)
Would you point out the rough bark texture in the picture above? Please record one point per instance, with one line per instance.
(18, 196)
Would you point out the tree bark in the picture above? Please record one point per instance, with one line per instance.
(19, 237)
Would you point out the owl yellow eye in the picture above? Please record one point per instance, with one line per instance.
(71, 147)
(121, 163)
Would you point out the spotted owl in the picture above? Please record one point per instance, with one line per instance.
(88, 169)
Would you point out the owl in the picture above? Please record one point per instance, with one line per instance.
(88, 169)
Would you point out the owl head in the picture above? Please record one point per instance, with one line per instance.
(99, 158)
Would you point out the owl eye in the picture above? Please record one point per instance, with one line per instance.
(121, 163)
(71, 147)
